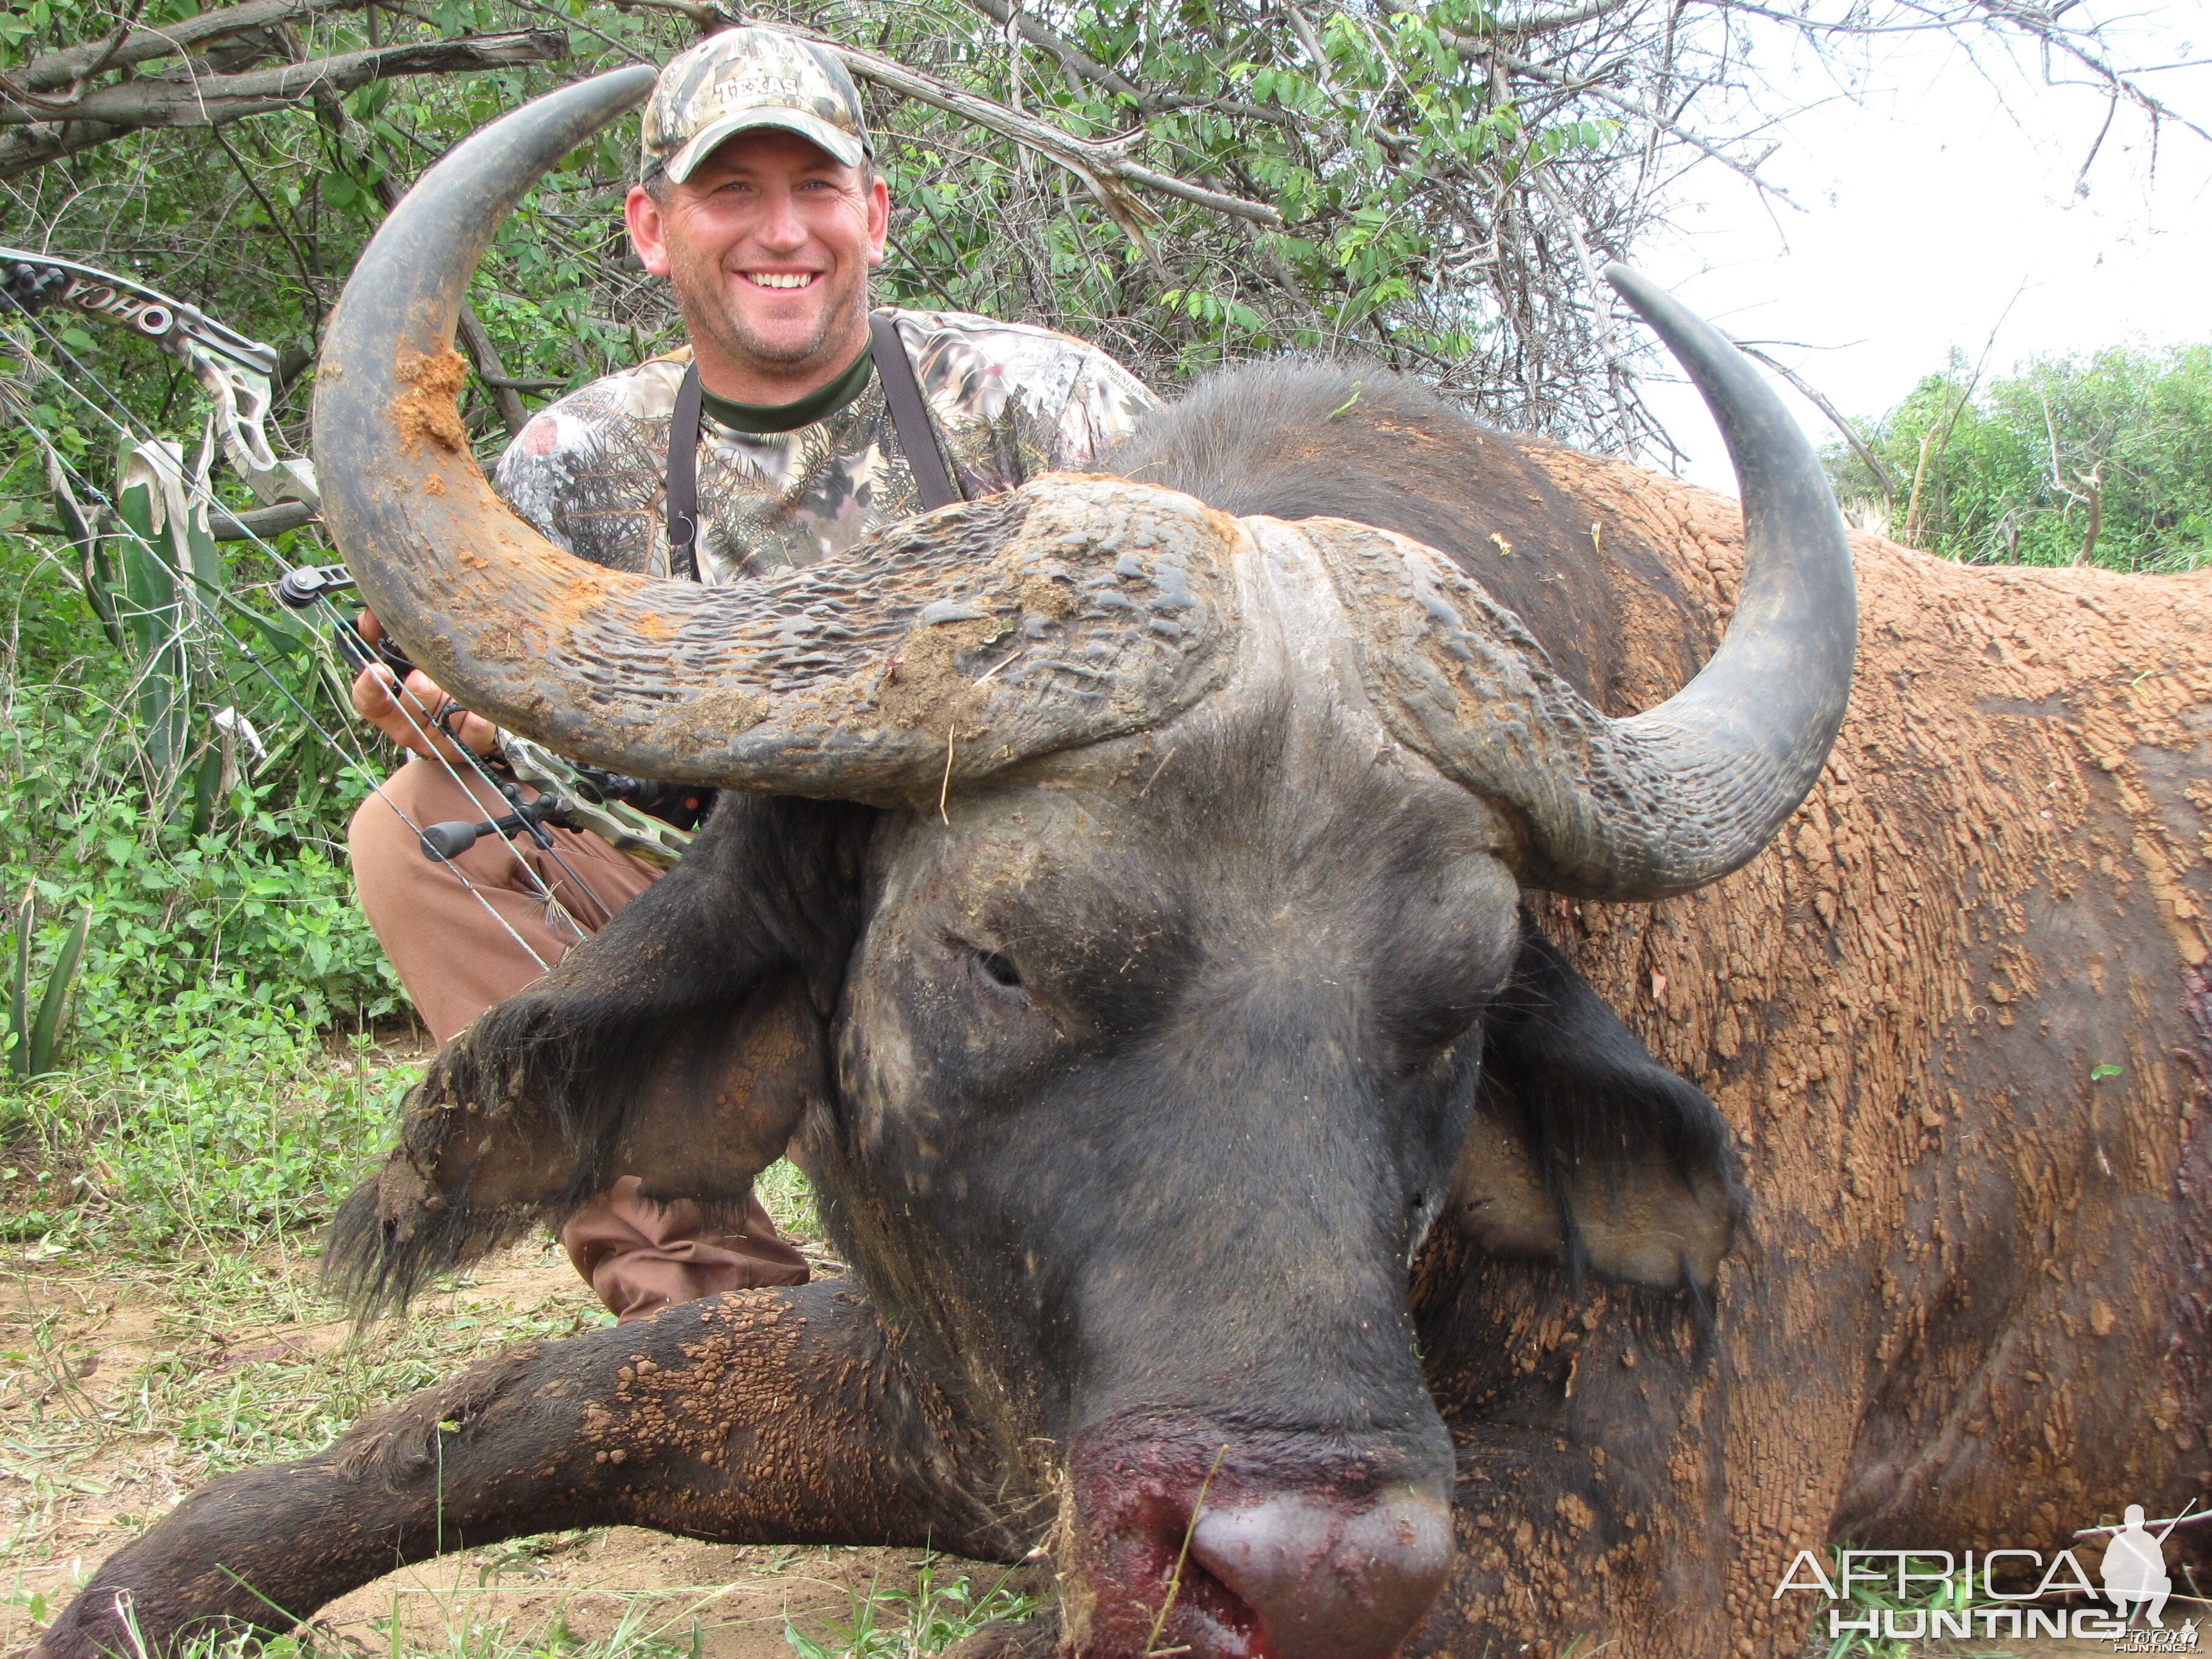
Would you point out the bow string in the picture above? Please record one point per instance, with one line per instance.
(237, 374)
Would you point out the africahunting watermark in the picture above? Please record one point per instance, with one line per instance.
(1940, 1594)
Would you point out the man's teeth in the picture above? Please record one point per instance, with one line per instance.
(779, 279)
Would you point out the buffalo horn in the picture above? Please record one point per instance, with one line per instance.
(933, 653)
(1665, 801)
(1701, 783)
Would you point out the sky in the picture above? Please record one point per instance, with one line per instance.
(1941, 211)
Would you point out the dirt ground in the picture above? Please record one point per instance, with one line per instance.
(738, 1600)
(122, 1388)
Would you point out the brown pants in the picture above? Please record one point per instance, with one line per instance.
(460, 946)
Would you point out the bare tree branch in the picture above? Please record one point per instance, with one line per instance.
(1813, 395)
(1102, 166)
(114, 44)
(2081, 43)
(68, 64)
(107, 112)
(188, 100)
(1587, 86)
(1069, 56)
(1551, 22)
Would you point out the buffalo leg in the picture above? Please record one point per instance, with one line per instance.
(763, 1415)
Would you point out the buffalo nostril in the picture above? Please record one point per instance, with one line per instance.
(1329, 1581)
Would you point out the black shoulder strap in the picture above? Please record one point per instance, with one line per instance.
(917, 437)
(682, 513)
(917, 434)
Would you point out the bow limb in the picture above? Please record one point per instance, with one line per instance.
(236, 372)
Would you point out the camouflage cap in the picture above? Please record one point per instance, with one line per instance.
(747, 78)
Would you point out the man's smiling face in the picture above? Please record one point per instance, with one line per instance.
(766, 246)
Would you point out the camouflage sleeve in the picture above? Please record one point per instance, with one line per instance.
(588, 478)
(1012, 400)
(530, 481)
(1104, 404)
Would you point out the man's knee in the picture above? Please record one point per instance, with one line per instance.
(640, 1256)
(381, 835)
(384, 837)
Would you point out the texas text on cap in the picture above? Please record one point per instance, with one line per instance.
(744, 78)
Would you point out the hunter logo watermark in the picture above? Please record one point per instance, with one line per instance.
(1943, 1594)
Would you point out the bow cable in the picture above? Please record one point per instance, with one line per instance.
(353, 757)
(402, 700)
(235, 372)
(405, 701)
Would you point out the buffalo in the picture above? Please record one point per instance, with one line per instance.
(1348, 1139)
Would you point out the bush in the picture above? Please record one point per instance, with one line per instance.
(208, 1084)
(2021, 470)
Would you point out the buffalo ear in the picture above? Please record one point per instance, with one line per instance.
(723, 1100)
(1585, 1150)
(681, 1044)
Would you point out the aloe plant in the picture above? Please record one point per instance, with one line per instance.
(150, 567)
(86, 534)
(168, 553)
(38, 1035)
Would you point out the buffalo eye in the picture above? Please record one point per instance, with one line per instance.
(1431, 1038)
(996, 970)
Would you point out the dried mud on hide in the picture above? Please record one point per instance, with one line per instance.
(1946, 1017)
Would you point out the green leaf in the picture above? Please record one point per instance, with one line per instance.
(93, 562)
(53, 1007)
(19, 1017)
(207, 783)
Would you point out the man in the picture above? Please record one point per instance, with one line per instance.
(2134, 1568)
(758, 201)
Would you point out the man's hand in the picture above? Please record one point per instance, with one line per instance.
(405, 714)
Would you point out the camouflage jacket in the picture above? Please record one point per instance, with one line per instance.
(1009, 402)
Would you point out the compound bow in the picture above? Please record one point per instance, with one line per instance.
(238, 373)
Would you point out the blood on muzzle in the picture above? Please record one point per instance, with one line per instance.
(1329, 1582)
(1229, 1547)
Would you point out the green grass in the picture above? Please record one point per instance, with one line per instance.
(887, 1622)
(229, 1129)
(1951, 1594)
(131, 1372)
(161, 1322)
(227, 1292)
(245, 1362)
(891, 1623)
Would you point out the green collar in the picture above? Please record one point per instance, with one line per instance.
(817, 406)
